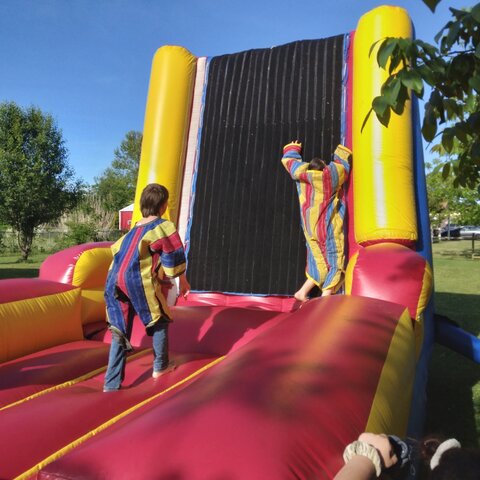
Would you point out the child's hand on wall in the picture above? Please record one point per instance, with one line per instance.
(293, 145)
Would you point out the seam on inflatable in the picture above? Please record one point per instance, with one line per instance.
(349, 273)
(192, 147)
(384, 413)
(196, 160)
(345, 81)
(67, 448)
(425, 291)
(69, 383)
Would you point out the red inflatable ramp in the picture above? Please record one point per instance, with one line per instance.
(282, 406)
(40, 371)
(46, 424)
(208, 330)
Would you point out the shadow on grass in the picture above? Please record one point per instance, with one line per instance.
(463, 253)
(450, 404)
(18, 273)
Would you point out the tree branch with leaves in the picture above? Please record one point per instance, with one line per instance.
(452, 70)
(116, 186)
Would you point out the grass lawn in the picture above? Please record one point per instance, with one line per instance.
(11, 266)
(453, 391)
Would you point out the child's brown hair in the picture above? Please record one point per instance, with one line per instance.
(153, 198)
(317, 164)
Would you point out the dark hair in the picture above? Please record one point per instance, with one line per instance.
(154, 197)
(429, 445)
(317, 164)
(455, 463)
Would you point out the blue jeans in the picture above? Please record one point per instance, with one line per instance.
(117, 357)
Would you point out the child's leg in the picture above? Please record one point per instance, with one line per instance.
(118, 305)
(116, 366)
(161, 364)
(326, 293)
(302, 294)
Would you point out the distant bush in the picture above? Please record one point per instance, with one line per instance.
(8, 242)
(51, 241)
(84, 232)
(76, 234)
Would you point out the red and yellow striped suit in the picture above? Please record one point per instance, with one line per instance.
(322, 212)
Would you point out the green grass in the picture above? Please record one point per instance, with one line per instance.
(11, 266)
(453, 391)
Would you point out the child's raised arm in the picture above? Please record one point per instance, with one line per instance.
(343, 156)
(292, 159)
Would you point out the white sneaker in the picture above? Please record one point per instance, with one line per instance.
(169, 368)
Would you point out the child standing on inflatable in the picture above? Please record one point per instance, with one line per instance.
(140, 259)
(322, 210)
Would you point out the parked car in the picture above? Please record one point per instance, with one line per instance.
(454, 231)
(470, 230)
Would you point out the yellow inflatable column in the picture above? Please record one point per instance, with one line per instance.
(383, 175)
(167, 118)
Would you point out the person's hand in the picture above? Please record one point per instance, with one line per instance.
(184, 286)
(383, 446)
(293, 145)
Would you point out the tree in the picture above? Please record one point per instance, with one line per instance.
(116, 186)
(36, 183)
(445, 200)
(452, 70)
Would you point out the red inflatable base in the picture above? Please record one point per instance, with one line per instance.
(29, 375)
(282, 403)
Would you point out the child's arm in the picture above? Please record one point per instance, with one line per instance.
(166, 283)
(170, 247)
(339, 168)
(292, 159)
(342, 156)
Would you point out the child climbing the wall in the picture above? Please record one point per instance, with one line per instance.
(141, 258)
(322, 211)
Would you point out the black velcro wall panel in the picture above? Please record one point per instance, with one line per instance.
(245, 235)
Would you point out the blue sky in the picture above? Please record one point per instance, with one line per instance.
(87, 62)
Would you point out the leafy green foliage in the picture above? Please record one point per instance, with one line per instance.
(36, 183)
(79, 233)
(2, 243)
(116, 186)
(452, 71)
